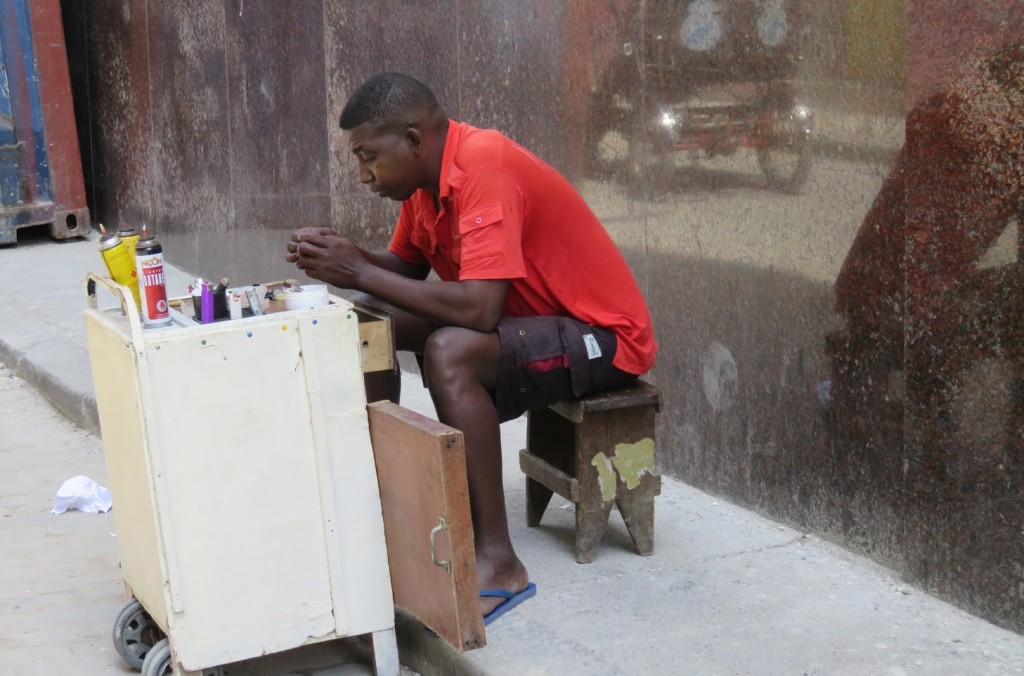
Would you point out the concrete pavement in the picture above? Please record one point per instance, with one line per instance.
(726, 591)
(60, 585)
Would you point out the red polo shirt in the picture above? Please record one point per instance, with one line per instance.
(506, 214)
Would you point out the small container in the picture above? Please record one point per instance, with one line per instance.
(307, 296)
(217, 294)
(234, 304)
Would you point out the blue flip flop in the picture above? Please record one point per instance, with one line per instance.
(512, 599)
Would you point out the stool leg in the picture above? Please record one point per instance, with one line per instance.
(591, 520)
(537, 498)
(637, 509)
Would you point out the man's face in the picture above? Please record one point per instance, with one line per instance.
(387, 161)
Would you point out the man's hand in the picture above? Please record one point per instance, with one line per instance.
(293, 243)
(327, 256)
(330, 257)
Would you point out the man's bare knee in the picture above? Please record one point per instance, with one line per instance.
(454, 355)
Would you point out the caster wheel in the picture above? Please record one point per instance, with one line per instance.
(158, 660)
(135, 633)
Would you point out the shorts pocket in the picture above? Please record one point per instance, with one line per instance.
(571, 332)
(589, 372)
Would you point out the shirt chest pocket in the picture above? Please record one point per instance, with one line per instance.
(455, 244)
(422, 235)
(442, 240)
(423, 240)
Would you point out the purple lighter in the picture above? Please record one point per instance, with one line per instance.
(206, 304)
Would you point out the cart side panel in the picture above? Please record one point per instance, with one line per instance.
(237, 494)
(114, 373)
(354, 525)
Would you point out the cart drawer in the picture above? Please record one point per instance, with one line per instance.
(376, 339)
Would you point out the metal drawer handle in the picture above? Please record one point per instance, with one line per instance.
(442, 524)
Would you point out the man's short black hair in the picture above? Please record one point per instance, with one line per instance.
(388, 100)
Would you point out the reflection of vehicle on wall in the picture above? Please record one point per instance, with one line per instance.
(708, 77)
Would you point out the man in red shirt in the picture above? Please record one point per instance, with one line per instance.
(534, 303)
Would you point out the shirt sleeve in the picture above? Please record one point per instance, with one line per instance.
(491, 227)
(401, 239)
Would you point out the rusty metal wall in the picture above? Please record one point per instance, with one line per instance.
(840, 352)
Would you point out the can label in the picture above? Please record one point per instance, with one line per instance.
(121, 265)
(153, 291)
(130, 241)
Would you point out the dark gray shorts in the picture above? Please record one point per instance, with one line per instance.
(550, 359)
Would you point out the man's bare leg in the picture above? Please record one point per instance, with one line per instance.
(461, 367)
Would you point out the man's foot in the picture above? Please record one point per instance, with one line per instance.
(510, 576)
(507, 600)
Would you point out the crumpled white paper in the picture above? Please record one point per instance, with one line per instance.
(81, 493)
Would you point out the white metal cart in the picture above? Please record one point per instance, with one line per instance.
(245, 494)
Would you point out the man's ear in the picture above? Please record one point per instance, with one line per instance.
(415, 139)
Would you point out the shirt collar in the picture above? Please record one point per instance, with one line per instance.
(451, 175)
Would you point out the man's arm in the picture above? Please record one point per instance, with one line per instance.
(332, 258)
(382, 259)
(392, 263)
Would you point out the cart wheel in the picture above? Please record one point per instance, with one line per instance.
(135, 633)
(785, 157)
(158, 660)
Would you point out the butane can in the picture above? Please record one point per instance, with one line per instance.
(149, 257)
(120, 261)
(130, 236)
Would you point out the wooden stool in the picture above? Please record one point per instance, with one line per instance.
(596, 452)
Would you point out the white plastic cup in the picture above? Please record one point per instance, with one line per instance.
(308, 295)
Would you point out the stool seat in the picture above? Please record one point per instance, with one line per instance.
(596, 452)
